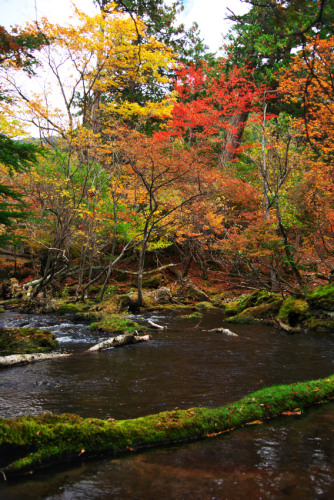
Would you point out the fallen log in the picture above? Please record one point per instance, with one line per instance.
(39, 440)
(127, 338)
(155, 325)
(226, 331)
(18, 359)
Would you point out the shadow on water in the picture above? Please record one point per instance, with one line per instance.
(181, 367)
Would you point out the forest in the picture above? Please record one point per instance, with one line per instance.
(141, 172)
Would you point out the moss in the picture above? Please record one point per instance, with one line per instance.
(38, 440)
(313, 323)
(153, 281)
(253, 300)
(322, 297)
(205, 306)
(232, 308)
(26, 340)
(193, 316)
(69, 308)
(2, 310)
(116, 323)
(242, 318)
(293, 311)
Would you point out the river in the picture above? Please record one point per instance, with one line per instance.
(182, 367)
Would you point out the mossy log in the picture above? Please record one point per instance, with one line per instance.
(119, 341)
(33, 441)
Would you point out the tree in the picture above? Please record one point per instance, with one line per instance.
(17, 49)
(209, 104)
(167, 179)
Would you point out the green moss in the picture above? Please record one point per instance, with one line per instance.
(116, 323)
(154, 281)
(69, 308)
(322, 297)
(313, 323)
(255, 299)
(2, 310)
(293, 311)
(242, 318)
(26, 340)
(232, 308)
(205, 306)
(38, 440)
(193, 316)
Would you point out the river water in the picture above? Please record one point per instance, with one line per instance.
(183, 367)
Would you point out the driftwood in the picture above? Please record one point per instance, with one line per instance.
(17, 359)
(226, 331)
(287, 328)
(155, 325)
(127, 338)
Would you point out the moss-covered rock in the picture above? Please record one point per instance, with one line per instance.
(26, 340)
(116, 323)
(243, 318)
(232, 308)
(154, 281)
(322, 298)
(266, 310)
(205, 306)
(2, 310)
(37, 440)
(70, 308)
(314, 323)
(186, 292)
(192, 316)
(293, 311)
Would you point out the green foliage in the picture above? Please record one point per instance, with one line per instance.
(16, 156)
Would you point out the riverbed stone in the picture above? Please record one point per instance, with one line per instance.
(26, 340)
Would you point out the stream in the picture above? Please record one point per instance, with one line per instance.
(182, 367)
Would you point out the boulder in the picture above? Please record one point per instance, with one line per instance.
(26, 340)
(187, 292)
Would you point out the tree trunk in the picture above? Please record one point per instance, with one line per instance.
(17, 359)
(127, 338)
(234, 136)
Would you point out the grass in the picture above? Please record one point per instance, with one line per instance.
(34, 441)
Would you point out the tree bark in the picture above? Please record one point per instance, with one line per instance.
(234, 136)
(17, 359)
(127, 338)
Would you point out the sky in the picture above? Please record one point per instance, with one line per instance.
(209, 14)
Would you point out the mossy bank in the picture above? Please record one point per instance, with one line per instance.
(33, 441)
(314, 312)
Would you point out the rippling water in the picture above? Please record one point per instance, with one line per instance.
(181, 367)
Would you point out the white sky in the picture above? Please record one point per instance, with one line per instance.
(209, 14)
